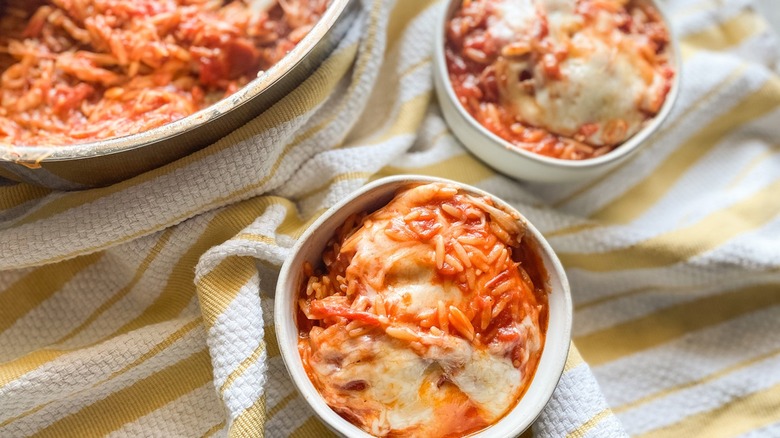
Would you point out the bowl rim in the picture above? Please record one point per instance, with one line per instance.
(618, 153)
(25, 154)
(557, 357)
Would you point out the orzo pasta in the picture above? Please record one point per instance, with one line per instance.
(569, 79)
(83, 70)
(426, 317)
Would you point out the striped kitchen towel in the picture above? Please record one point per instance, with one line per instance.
(144, 308)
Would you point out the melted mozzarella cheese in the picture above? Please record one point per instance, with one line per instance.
(413, 289)
(600, 86)
(491, 382)
(396, 379)
(602, 82)
(405, 275)
(512, 18)
(392, 374)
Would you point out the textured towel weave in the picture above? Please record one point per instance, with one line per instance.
(144, 308)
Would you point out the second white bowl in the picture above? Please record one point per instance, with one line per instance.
(519, 163)
(370, 198)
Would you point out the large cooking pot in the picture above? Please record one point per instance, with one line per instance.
(104, 162)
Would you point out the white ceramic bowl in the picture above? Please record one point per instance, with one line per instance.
(522, 164)
(370, 198)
